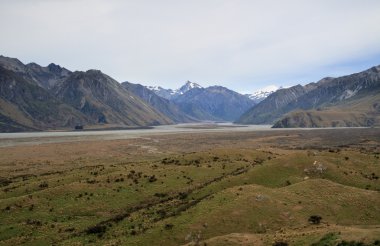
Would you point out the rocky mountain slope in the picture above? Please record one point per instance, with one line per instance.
(163, 105)
(33, 97)
(213, 103)
(329, 102)
(24, 105)
(274, 106)
(45, 77)
(49, 76)
(361, 110)
(106, 101)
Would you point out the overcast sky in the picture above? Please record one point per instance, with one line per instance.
(243, 45)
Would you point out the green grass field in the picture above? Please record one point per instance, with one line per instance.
(214, 189)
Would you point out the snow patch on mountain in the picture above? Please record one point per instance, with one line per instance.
(170, 94)
(263, 93)
(186, 87)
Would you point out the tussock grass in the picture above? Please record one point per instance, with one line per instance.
(245, 192)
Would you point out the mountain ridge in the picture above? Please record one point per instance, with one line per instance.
(105, 100)
(215, 103)
(38, 98)
(171, 94)
(328, 94)
(163, 105)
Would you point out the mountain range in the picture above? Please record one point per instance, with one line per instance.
(171, 94)
(33, 98)
(263, 93)
(214, 103)
(164, 105)
(346, 101)
(42, 98)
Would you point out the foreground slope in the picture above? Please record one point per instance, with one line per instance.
(231, 188)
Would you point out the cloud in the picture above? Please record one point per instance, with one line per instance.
(241, 44)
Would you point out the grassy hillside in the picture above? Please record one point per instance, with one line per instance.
(363, 110)
(301, 106)
(218, 189)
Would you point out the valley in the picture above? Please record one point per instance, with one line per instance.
(190, 123)
(194, 185)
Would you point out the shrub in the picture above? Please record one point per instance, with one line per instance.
(280, 243)
(315, 219)
(44, 185)
(97, 229)
(182, 195)
(169, 226)
(152, 179)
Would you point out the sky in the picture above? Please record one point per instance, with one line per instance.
(244, 45)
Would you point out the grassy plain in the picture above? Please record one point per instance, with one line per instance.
(233, 188)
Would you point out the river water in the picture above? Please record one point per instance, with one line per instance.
(31, 138)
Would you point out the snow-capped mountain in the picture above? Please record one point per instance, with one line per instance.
(263, 93)
(162, 92)
(215, 103)
(186, 87)
(171, 94)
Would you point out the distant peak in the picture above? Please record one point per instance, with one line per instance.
(375, 69)
(54, 68)
(53, 65)
(33, 64)
(93, 71)
(264, 92)
(270, 88)
(186, 87)
(155, 87)
(192, 85)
